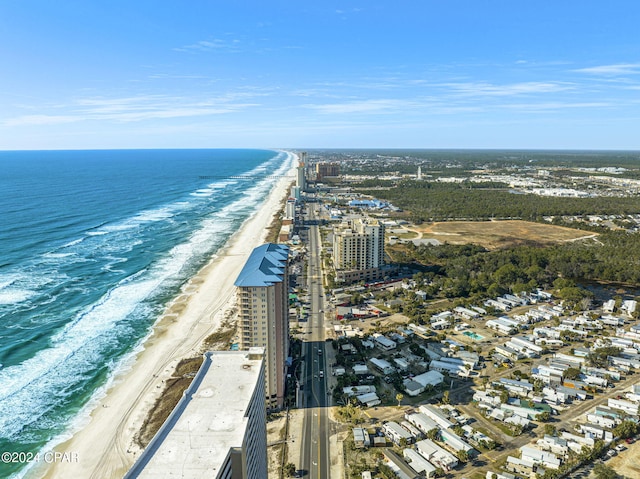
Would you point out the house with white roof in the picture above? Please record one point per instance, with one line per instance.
(595, 432)
(523, 466)
(628, 407)
(359, 369)
(450, 368)
(436, 455)
(500, 326)
(547, 459)
(361, 389)
(556, 445)
(437, 414)
(455, 442)
(423, 422)
(383, 342)
(602, 421)
(397, 433)
(382, 365)
(368, 399)
(629, 306)
(361, 437)
(492, 303)
(417, 433)
(418, 463)
(466, 313)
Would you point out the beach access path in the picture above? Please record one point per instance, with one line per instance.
(104, 447)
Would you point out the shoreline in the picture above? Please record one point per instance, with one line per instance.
(105, 446)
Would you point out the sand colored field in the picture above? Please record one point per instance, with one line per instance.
(105, 448)
(499, 234)
(627, 463)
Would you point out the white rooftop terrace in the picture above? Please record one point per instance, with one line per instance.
(210, 419)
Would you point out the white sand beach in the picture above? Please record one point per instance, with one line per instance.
(104, 448)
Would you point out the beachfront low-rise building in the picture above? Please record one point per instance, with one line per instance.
(218, 429)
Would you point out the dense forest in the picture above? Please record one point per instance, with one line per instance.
(431, 201)
(460, 161)
(471, 271)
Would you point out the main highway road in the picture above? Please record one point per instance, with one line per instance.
(315, 397)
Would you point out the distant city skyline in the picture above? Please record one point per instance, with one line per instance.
(281, 74)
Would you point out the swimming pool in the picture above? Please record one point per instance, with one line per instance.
(473, 335)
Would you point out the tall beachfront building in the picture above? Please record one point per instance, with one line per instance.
(358, 250)
(218, 429)
(263, 302)
(301, 178)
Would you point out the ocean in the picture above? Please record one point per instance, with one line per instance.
(93, 245)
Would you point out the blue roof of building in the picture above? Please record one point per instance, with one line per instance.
(265, 266)
(362, 203)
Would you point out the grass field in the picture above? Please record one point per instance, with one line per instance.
(499, 234)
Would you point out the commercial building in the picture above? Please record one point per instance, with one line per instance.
(358, 250)
(218, 429)
(262, 290)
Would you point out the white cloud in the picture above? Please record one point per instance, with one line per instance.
(209, 45)
(137, 108)
(525, 88)
(612, 70)
(359, 106)
(550, 106)
(35, 120)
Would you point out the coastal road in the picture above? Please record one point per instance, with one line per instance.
(314, 456)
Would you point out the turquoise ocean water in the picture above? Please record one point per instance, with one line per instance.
(93, 244)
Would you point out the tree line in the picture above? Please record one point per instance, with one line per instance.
(432, 201)
(473, 271)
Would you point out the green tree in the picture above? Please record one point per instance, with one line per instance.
(543, 416)
(289, 469)
(399, 398)
(602, 471)
(462, 455)
(433, 434)
(626, 429)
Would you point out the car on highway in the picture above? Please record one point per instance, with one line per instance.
(321, 374)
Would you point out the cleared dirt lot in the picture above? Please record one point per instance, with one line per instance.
(627, 463)
(499, 234)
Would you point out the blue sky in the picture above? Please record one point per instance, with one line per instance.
(330, 74)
